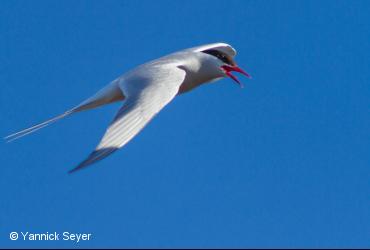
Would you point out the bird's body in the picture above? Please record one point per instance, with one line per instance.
(146, 89)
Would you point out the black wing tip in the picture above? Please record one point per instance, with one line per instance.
(80, 166)
(94, 157)
(74, 170)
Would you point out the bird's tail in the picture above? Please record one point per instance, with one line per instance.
(32, 129)
(110, 93)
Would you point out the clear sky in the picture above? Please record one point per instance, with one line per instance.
(284, 162)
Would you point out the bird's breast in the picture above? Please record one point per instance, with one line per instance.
(196, 76)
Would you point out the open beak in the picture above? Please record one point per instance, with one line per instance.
(228, 69)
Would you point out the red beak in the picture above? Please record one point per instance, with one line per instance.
(228, 69)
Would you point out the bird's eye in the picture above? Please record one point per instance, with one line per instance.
(219, 55)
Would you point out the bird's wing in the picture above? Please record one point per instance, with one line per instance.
(146, 95)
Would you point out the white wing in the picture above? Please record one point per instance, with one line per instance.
(147, 91)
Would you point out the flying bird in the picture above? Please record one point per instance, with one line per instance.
(147, 89)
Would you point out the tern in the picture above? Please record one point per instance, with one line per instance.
(147, 89)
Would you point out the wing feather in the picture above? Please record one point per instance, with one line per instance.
(145, 97)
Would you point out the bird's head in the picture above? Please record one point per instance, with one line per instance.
(221, 55)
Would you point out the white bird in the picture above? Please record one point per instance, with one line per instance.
(146, 89)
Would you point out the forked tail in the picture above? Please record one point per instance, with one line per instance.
(32, 129)
(110, 93)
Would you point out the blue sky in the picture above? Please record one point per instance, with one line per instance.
(283, 162)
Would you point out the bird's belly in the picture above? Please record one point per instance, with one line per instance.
(191, 83)
(185, 87)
